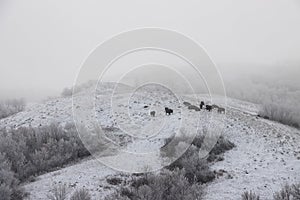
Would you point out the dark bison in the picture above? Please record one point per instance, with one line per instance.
(201, 104)
(152, 113)
(208, 107)
(168, 111)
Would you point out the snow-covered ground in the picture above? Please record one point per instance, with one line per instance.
(266, 156)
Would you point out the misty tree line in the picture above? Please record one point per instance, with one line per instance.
(280, 101)
(11, 106)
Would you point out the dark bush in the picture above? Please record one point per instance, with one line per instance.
(196, 169)
(114, 180)
(222, 146)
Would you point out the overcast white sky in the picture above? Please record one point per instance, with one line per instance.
(43, 43)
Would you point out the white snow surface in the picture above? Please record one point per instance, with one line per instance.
(266, 156)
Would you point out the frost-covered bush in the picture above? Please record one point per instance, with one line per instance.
(9, 188)
(250, 196)
(81, 194)
(279, 101)
(10, 107)
(59, 192)
(196, 169)
(167, 185)
(32, 151)
(288, 192)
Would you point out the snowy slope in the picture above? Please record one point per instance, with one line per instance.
(265, 158)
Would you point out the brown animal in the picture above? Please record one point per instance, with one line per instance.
(152, 113)
(221, 110)
(214, 106)
(192, 107)
(186, 103)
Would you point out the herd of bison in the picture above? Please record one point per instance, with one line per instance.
(207, 107)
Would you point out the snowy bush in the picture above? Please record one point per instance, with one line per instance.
(59, 192)
(280, 102)
(167, 185)
(288, 193)
(10, 107)
(9, 188)
(81, 194)
(250, 196)
(32, 151)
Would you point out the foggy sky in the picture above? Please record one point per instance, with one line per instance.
(44, 43)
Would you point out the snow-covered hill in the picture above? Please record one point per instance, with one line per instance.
(266, 156)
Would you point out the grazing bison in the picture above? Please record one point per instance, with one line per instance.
(152, 113)
(214, 106)
(168, 111)
(146, 106)
(186, 103)
(221, 110)
(208, 107)
(201, 104)
(192, 107)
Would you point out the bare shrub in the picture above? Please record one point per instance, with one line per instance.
(81, 194)
(250, 196)
(167, 185)
(59, 192)
(114, 180)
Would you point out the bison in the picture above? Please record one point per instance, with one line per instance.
(168, 111)
(186, 103)
(221, 110)
(201, 104)
(192, 107)
(208, 107)
(214, 106)
(152, 113)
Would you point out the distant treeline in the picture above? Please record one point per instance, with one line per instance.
(11, 106)
(279, 100)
